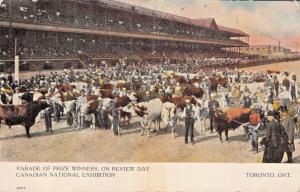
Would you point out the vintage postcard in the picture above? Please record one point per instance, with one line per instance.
(149, 95)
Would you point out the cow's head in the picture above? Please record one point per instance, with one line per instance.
(44, 104)
(141, 111)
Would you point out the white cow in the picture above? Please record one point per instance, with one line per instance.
(152, 114)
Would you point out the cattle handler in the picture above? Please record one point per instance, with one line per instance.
(189, 121)
(253, 126)
(213, 106)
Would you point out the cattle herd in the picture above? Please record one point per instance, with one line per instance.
(102, 97)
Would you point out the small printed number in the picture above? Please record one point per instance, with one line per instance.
(21, 188)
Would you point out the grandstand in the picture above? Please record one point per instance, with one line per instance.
(56, 30)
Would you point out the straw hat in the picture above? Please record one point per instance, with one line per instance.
(213, 95)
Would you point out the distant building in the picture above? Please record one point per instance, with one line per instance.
(268, 51)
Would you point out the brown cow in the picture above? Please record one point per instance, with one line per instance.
(121, 102)
(231, 119)
(106, 86)
(273, 71)
(65, 87)
(22, 114)
(179, 79)
(191, 90)
(107, 93)
(217, 81)
(180, 102)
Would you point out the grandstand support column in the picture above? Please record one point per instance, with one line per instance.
(17, 63)
(17, 68)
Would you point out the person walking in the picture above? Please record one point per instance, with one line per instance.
(189, 117)
(273, 141)
(213, 106)
(48, 114)
(253, 126)
(286, 99)
(115, 116)
(289, 127)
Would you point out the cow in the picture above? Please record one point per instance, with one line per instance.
(180, 102)
(215, 82)
(273, 71)
(28, 96)
(191, 90)
(22, 114)
(93, 103)
(232, 119)
(106, 93)
(70, 109)
(106, 86)
(65, 87)
(149, 112)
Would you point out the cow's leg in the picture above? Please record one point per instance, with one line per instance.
(173, 131)
(27, 130)
(220, 135)
(93, 121)
(159, 124)
(79, 122)
(226, 134)
(119, 130)
(201, 121)
(149, 127)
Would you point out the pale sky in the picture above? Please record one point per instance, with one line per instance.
(267, 22)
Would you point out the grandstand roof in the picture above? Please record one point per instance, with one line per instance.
(202, 22)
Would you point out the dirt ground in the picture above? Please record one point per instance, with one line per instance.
(71, 145)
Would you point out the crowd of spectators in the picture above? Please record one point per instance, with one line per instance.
(54, 45)
(88, 15)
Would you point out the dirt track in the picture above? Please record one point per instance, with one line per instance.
(71, 145)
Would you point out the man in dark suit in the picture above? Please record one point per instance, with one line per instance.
(189, 121)
(115, 116)
(213, 106)
(289, 127)
(273, 147)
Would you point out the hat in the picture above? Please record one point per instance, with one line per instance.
(17, 88)
(270, 114)
(47, 95)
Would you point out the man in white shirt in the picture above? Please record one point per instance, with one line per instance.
(286, 98)
(17, 97)
(37, 95)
